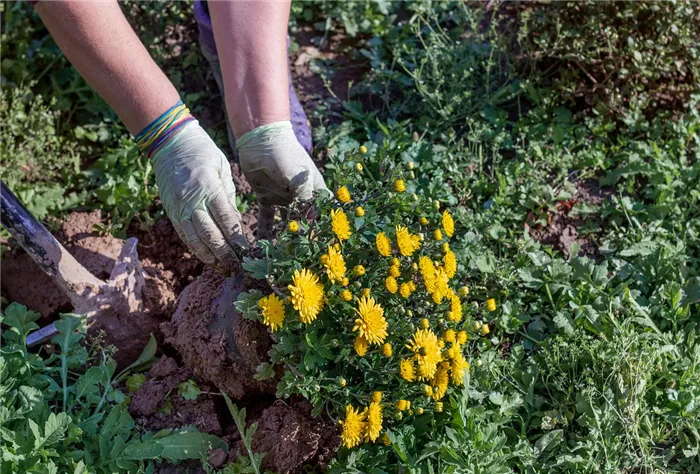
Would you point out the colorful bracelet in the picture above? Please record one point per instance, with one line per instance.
(153, 136)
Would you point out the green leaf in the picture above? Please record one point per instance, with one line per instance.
(29, 398)
(145, 360)
(640, 249)
(20, 321)
(88, 382)
(548, 441)
(135, 382)
(189, 390)
(264, 371)
(256, 267)
(54, 429)
(189, 444)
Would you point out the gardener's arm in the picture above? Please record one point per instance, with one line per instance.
(193, 175)
(251, 39)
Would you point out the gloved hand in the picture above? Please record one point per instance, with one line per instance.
(278, 169)
(195, 184)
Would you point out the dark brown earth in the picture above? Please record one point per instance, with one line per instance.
(287, 433)
(562, 229)
(219, 347)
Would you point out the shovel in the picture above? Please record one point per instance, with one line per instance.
(90, 296)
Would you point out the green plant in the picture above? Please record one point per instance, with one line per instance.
(38, 162)
(613, 55)
(61, 413)
(252, 464)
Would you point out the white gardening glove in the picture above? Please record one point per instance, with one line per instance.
(278, 169)
(195, 184)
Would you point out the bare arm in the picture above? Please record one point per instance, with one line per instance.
(99, 42)
(251, 39)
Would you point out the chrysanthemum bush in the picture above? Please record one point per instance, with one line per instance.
(369, 317)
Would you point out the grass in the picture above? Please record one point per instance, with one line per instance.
(593, 363)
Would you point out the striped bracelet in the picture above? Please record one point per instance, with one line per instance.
(153, 136)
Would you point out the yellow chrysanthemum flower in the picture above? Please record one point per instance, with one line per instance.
(405, 290)
(407, 370)
(335, 265)
(359, 211)
(438, 407)
(424, 323)
(412, 285)
(491, 304)
(377, 396)
(343, 194)
(391, 284)
(450, 262)
(424, 346)
(346, 295)
(429, 273)
(272, 312)
(293, 226)
(427, 390)
(423, 221)
(340, 224)
(360, 346)
(448, 223)
(399, 186)
(462, 337)
(485, 330)
(450, 335)
(463, 291)
(395, 271)
(345, 282)
(366, 292)
(445, 247)
(455, 313)
(406, 242)
(371, 323)
(441, 288)
(387, 350)
(306, 295)
(354, 426)
(440, 381)
(359, 270)
(374, 421)
(437, 235)
(403, 405)
(457, 368)
(383, 244)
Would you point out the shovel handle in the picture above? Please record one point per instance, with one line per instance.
(70, 276)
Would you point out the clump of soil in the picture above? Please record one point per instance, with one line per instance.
(218, 345)
(158, 406)
(288, 435)
(291, 438)
(562, 229)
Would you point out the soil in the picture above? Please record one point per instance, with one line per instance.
(291, 438)
(287, 433)
(562, 229)
(219, 347)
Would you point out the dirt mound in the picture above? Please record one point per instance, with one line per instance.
(158, 406)
(25, 283)
(291, 438)
(217, 345)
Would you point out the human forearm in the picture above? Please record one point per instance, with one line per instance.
(251, 38)
(99, 42)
